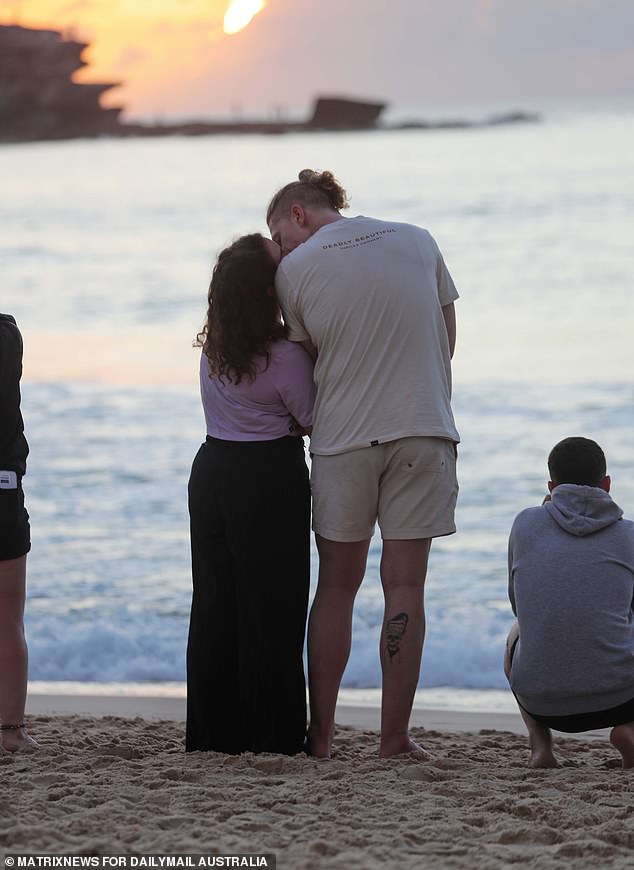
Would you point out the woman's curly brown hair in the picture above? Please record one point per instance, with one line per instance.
(243, 317)
(313, 189)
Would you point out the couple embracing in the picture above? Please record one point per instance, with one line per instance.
(362, 363)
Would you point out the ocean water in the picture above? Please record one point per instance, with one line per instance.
(106, 252)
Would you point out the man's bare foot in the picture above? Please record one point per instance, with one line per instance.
(402, 745)
(18, 741)
(542, 757)
(318, 746)
(540, 742)
(622, 738)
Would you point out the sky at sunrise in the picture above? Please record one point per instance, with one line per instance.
(176, 61)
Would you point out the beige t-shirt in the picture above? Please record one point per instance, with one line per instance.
(369, 295)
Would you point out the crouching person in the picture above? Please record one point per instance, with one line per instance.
(570, 656)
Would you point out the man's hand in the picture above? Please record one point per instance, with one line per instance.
(310, 349)
(296, 430)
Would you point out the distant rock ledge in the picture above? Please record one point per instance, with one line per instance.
(39, 101)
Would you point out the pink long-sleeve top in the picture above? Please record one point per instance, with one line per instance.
(266, 408)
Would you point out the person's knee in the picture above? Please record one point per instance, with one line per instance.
(404, 564)
(12, 636)
(12, 592)
(342, 564)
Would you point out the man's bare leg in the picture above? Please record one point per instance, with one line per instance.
(341, 570)
(540, 739)
(540, 742)
(622, 738)
(13, 654)
(403, 572)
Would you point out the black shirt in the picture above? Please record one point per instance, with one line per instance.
(13, 446)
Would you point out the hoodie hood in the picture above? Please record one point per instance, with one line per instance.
(582, 510)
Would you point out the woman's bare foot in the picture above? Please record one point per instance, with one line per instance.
(401, 745)
(18, 740)
(318, 746)
(622, 738)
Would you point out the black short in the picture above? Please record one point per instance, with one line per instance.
(609, 718)
(15, 532)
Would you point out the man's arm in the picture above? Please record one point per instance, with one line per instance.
(310, 348)
(449, 314)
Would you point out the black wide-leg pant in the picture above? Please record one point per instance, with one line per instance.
(249, 506)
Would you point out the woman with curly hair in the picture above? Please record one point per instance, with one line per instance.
(249, 505)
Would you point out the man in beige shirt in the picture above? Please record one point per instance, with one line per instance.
(373, 302)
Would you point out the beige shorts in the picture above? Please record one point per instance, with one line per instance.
(408, 485)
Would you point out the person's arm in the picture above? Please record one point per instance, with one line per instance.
(449, 315)
(511, 586)
(285, 298)
(310, 349)
(447, 295)
(296, 387)
(10, 371)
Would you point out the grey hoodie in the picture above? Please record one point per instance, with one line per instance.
(571, 586)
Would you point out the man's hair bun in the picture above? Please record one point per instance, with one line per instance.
(328, 184)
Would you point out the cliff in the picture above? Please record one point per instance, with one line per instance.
(38, 98)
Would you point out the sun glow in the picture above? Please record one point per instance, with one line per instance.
(168, 56)
(240, 13)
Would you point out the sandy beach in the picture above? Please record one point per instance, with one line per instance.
(112, 777)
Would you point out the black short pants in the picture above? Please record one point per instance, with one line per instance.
(609, 718)
(15, 532)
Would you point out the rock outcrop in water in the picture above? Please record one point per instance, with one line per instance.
(39, 100)
(38, 97)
